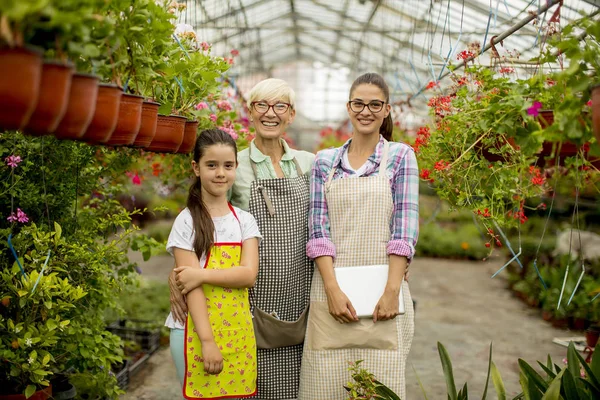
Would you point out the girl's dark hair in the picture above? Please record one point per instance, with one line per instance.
(375, 79)
(203, 224)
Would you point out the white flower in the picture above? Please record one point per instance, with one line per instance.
(28, 342)
(30, 360)
(180, 29)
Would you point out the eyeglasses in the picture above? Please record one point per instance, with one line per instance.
(374, 106)
(263, 107)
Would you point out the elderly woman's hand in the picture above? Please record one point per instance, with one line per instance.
(178, 304)
(188, 278)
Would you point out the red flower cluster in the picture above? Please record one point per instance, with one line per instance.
(464, 55)
(441, 104)
(537, 178)
(494, 237)
(506, 70)
(485, 213)
(426, 175)
(520, 215)
(423, 135)
(441, 165)
(156, 169)
(433, 84)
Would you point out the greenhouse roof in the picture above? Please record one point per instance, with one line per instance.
(410, 42)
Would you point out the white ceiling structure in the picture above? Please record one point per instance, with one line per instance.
(320, 46)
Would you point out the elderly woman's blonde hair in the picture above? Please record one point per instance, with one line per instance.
(272, 89)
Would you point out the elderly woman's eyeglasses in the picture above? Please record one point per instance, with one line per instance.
(374, 106)
(263, 107)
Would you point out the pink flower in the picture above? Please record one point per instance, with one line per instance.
(244, 130)
(224, 105)
(589, 103)
(229, 61)
(205, 46)
(234, 52)
(229, 130)
(534, 110)
(20, 216)
(213, 117)
(136, 179)
(13, 161)
(201, 106)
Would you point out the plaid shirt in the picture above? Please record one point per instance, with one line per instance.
(403, 173)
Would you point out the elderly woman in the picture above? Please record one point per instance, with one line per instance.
(272, 183)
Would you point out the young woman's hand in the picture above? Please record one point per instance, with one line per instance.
(340, 306)
(213, 359)
(188, 278)
(388, 306)
(178, 304)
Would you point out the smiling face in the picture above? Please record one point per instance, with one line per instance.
(367, 122)
(216, 169)
(272, 123)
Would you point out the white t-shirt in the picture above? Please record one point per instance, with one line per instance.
(358, 172)
(227, 229)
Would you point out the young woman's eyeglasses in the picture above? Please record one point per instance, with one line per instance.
(374, 106)
(263, 107)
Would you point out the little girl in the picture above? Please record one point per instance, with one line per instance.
(215, 247)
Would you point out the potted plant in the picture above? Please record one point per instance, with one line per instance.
(189, 77)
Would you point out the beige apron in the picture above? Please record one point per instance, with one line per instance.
(360, 210)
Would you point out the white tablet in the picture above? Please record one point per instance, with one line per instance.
(364, 286)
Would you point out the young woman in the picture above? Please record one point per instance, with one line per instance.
(272, 183)
(363, 212)
(215, 246)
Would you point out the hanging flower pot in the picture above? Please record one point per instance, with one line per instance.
(43, 394)
(189, 137)
(105, 116)
(169, 134)
(129, 121)
(596, 111)
(20, 75)
(80, 109)
(52, 100)
(148, 125)
(564, 149)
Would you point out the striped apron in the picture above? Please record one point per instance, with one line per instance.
(280, 207)
(360, 210)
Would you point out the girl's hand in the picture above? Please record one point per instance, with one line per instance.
(188, 278)
(340, 306)
(213, 359)
(387, 307)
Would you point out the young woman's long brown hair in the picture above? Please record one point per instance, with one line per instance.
(387, 128)
(203, 224)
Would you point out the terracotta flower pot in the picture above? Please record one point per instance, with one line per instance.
(148, 125)
(596, 111)
(189, 137)
(52, 101)
(43, 394)
(81, 107)
(129, 121)
(169, 134)
(105, 116)
(20, 76)
(591, 336)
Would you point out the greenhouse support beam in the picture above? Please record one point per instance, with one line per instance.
(497, 39)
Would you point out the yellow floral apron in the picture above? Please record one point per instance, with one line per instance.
(231, 323)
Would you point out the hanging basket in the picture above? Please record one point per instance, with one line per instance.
(148, 124)
(596, 111)
(105, 116)
(81, 107)
(189, 137)
(20, 76)
(52, 100)
(564, 149)
(129, 121)
(169, 134)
